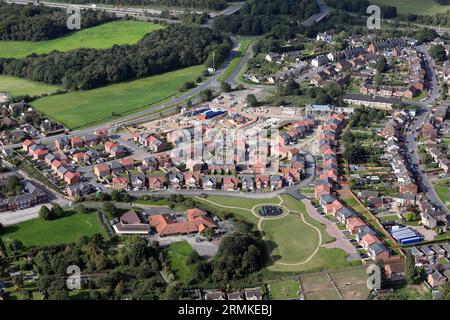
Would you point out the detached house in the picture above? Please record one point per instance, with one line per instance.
(102, 170)
(156, 182)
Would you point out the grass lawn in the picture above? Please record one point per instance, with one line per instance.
(38, 232)
(19, 87)
(391, 217)
(100, 37)
(289, 239)
(245, 42)
(422, 7)
(82, 108)
(177, 254)
(284, 290)
(441, 190)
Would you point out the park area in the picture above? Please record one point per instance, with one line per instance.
(88, 107)
(442, 188)
(293, 239)
(39, 232)
(98, 37)
(284, 290)
(422, 7)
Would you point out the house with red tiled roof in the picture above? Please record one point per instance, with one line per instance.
(322, 190)
(291, 175)
(230, 183)
(156, 182)
(39, 154)
(368, 240)
(102, 170)
(127, 163)
(262, 181)
(76, 142)
(109, 145)
(26, 145)
(354, 223)
(55, 165)
(72, 177)
(80, 157)
(334, 207)
(192, 180)
(119, 183)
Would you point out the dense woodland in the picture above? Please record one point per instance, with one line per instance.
(35, 23)
(197, 4)
(160, 51)
(262, 16)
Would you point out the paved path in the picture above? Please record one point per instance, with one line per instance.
(331, 228)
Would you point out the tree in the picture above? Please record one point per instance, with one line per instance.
(110, 209)
(206, 95)
(251, 100)
(381, 66)
(15, 244)
(225, 87)
(291, 88)
(116, 195)
(438, 52)
(410, 268)
(56, 211)
(44, 213)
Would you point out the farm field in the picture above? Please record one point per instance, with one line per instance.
(422, 7)
(177, 254)
(81, 108)
(38, 232)
(99, 37)
(20, 87)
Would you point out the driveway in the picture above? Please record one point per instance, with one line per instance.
(331, 228)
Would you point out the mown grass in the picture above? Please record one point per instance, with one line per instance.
(38, 232)
(177, 254)
(98, 37)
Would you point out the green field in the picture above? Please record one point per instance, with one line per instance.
(100, 37)
(442, 190)
(422, 7)
(177, 254)
(20, 87)
(38, 232)
(81, 108)
(289, 239)
(284, 290)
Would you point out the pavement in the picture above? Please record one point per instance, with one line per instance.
(341, 242)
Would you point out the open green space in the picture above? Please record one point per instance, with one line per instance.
(177, 254)
(20, 87)
(284, 290)
(422, 7)
(442, 189)
(82, 108)
(99, 37)
(289, 239)
(38, 232)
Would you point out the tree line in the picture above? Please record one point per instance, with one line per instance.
(195, 4)
(263, 16)
(160, 51)
(35, 23)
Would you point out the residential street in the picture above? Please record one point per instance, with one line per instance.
(411, 139)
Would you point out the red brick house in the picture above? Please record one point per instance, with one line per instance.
(27, 144)
(102, 170)
(156, 182)
(127, 163)
(76, 142)
(230, 183)
(72, 177)
(119, 183)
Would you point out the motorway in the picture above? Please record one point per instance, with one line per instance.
(423, 180)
